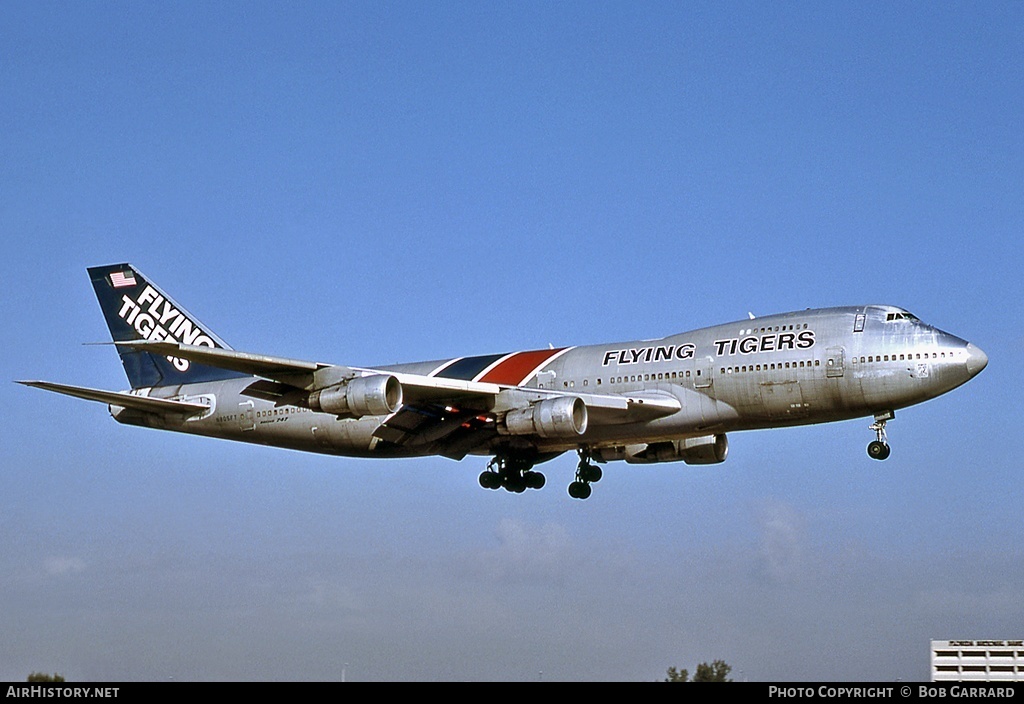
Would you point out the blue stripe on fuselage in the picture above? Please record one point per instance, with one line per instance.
(467, 368)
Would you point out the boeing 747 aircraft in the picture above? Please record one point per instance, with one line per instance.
(644, 401)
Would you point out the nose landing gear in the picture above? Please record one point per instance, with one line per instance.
(879, 448)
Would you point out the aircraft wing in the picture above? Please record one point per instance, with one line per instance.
(426, 414)
(615, 409)
(121, 398)
(311, 375)
(446, 430)
(453, 431)
(290, 371)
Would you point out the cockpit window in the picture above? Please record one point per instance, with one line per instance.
(900, 316)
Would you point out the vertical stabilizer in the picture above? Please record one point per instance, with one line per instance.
(137, 309)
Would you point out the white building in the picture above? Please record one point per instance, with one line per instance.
(977, 660)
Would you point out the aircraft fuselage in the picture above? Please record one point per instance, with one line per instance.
(641, 401)
(812, 366)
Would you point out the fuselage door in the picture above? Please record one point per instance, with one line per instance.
(834, 361)
(702, 374)
(321, 436)
(246, 416)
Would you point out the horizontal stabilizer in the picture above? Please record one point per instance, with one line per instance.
(120, 398)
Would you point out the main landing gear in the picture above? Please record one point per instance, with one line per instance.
(511, 474)
(586, 474)
(516, 474)
(879, 448)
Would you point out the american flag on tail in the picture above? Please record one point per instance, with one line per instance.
(121, 279)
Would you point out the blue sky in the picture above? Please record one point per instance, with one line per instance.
(369, 183)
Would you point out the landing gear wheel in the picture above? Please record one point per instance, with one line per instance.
(534, 480)
(878, 450)
(586, 473)
(590, 473)
(579, 490)
(490, 480)
(515, 475)
(515, 484)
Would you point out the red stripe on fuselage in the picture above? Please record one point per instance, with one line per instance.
(514, 370)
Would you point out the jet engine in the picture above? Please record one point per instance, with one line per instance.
(563, 417)
(374, 395)
(707, 449)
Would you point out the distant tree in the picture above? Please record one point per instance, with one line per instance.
(675, 675)
(718, 671)
(43, 677)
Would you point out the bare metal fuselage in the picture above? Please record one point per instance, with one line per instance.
(813, 366)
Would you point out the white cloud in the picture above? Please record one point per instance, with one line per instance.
(782, 540)
(62, 565)
(528, 550)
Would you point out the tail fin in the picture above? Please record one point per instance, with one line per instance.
(136, 309)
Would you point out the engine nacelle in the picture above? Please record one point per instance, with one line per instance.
(375, 395)
(564, 417)
(707, 449)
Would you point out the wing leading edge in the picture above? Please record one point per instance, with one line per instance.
(313, 375)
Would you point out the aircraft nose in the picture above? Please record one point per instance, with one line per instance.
(976, 359)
